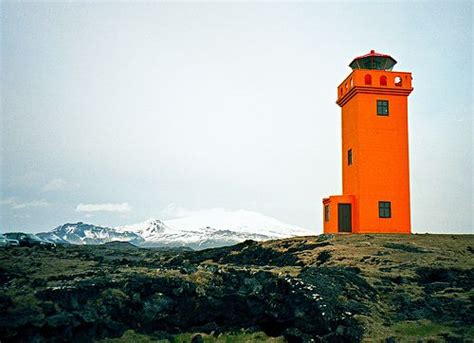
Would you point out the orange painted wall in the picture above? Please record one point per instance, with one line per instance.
(350, 140)
(380, 168)
(331, 225)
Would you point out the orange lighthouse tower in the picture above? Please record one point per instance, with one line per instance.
(375, 170)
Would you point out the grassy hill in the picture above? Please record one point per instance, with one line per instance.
(392, 288)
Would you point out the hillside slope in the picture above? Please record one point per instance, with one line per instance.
(321, 288)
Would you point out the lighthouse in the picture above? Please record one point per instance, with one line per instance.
(375, 166)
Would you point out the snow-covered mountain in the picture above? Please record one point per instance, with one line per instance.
(147, 229)
(238, 221)
(52, 237)
(80, 233)
(212, 228)
(197, 230)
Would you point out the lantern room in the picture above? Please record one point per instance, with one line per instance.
(373, 60)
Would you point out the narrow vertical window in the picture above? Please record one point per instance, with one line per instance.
(383, 80)
(385, 209)
(382, 108)
(326, 213)
(368, 79)
(349, 157)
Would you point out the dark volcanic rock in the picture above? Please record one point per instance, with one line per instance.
(405, 247)
(238, 299)
(305, 290)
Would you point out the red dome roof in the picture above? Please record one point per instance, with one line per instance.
(373, 60)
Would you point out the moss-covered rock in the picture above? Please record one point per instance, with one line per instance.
(326, 288)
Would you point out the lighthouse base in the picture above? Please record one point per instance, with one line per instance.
(344, 214)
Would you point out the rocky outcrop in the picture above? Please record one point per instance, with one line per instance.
(299, 308)
(305, 290)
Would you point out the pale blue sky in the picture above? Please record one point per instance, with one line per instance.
(132, 107)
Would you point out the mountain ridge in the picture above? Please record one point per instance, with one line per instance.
(200, 230)
(82, 234)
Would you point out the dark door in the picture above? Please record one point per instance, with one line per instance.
(344, 218)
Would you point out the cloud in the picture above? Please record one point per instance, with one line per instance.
(22, 216)
(14, 204)
(106, 207)
(29, 179)
(59, 185)
(34, 203)
(174, 211)
(8, 202)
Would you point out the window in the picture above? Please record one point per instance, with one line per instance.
(385, 210)
(383, 80)
(382, 107)
(326, 213)
(398, 81)
(368, 79)
(349, 157)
